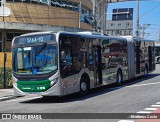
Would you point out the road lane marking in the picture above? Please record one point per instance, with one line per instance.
(148, 84)
(158, 103)
(151, 109)
(143, 84)
(126, 121)
(23, 99)
(144, 112)
(156, 106)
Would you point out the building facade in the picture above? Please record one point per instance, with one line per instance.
(43, 15)
(50, 15)
(119, 28)
(121, 23)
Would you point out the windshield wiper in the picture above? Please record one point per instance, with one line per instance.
(40, 48)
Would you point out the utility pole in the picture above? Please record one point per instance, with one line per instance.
(80, 9)
(137, 17)
(95, 15)
(99, 6)
(143, 29)
(3, 3)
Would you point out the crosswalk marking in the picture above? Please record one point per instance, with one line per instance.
(152, 109)
(156, 106)
(144, 112)
(158, 103)
(126, 121)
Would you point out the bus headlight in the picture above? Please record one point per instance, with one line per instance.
(53, 82)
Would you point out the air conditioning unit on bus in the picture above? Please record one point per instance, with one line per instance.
(90, 33)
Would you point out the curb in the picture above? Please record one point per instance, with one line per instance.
(7, 98)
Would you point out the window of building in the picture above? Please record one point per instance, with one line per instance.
(119, 24)
(17, 34)
(129, 32)
(127, 23)
(0, 46)
(125, 32)
(117, 32)
(120, 32)
(111, 32)
(63, 4)
(10, 36)
(83, 11)
(112, 24)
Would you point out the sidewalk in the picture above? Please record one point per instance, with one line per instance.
(6, 94)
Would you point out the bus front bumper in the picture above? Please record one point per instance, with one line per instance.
(52, 91)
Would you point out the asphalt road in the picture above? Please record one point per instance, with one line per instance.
(133, 96)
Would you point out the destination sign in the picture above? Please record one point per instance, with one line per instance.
(34, 39)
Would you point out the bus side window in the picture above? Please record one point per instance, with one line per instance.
(67, 66)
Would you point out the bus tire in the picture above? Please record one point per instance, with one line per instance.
(158, 60)
(84, 86)
(119, 78)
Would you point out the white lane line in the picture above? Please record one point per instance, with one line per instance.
(151, 109)
(126, 121)
(158, 103)
(24, 99)
(3, 97)
(134, 86)
(143, 84)
(144, 112)
(156, 106)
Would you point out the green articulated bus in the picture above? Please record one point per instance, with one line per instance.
(62, 63)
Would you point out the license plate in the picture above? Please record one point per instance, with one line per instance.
(32, 93)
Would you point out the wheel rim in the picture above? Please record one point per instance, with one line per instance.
(145, 72)
(119, 78)
(83, 86)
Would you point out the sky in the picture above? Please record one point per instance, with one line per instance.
(149, 13)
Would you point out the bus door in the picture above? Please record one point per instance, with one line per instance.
(137, 50)
(150, 57)
(97, 64)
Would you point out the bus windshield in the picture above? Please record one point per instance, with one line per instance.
(37, 59)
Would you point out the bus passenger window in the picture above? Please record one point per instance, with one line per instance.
(68, 56)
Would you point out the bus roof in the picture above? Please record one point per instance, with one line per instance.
(136, 38)
(37, 33)
(90, 33)
(103, 37)
(85, 34)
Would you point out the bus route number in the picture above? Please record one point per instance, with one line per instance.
(35, 39)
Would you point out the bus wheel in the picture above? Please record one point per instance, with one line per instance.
(158, 60)
(119, 78)
(84, 87)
